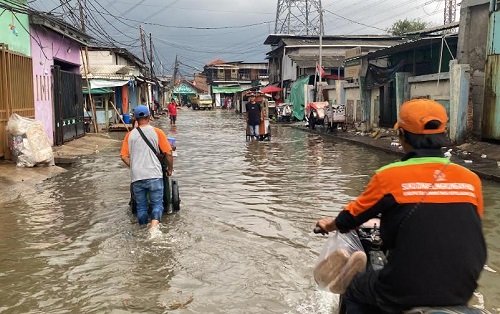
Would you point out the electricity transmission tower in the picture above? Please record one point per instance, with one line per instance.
(298, 17)
(450, 11)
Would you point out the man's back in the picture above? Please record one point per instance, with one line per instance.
(432, 228)
(143, 162)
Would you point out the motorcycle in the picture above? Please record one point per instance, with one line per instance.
(369, 235)
(315, 113)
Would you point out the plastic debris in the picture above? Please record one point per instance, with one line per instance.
(483, 156)
(488, 268)
(468, 161)
(395, 144)
(447, 154)
(29, 144)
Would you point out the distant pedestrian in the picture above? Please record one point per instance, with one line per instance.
(253, 116)
(145, 166)
(172, 112)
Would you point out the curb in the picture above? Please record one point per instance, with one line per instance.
(483, 174)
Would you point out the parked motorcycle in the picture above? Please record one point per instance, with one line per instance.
(315, 113)
(369, 235)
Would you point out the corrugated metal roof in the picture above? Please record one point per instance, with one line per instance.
(275, 39)
(113, 70)
(340, 41)
(310, 61)
(409, 45)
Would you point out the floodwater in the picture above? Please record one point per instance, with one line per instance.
(242, 242)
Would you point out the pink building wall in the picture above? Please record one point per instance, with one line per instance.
(46, 47)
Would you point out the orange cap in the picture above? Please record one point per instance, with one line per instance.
(414, 115)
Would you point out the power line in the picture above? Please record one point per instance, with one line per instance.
(190, 27)
(353, 21)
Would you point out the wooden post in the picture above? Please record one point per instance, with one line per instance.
(4, 101)
(8, 106)
(106, 113)
(119, 116)
(85, 60)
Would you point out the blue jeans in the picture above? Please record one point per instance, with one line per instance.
(254, 130)
(141, 189)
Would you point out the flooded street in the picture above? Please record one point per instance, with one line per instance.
(242, 242)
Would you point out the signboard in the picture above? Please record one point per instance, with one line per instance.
(352, 71)
(353, 52)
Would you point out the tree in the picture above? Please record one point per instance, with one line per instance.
(402, 27)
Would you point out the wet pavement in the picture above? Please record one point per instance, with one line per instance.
(242, 242)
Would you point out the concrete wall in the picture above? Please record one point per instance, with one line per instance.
(353, 101)
(14, 32)
(472, 39)
(427, 86)
(101, 58)
(55, 47)
(459, 99)
(375, 107)
(289, 69)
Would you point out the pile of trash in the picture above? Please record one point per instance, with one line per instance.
(29, 144)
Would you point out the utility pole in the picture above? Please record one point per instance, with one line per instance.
(143, 43)
(321, 29)
(86, 70)
(151, 64)
(81, 6)
(176, 69)
(450, 11)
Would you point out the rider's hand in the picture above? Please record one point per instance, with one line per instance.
(169, 172)
(327, 224)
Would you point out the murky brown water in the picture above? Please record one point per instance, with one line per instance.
(242, 242)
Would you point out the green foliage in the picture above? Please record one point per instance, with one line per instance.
(402, 27)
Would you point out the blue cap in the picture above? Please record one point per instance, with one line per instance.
(141, 111)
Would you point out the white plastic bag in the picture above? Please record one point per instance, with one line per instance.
(340, 260)
(30, 145)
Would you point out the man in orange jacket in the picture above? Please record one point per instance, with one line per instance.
(430, 211)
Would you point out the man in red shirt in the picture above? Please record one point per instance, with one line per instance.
(172, 111)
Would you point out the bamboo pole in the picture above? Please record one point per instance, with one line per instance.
(85, 60)
(121, 119)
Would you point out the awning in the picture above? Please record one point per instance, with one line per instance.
(184, 89)
(226, 89)
(94, 83)
(98, 91)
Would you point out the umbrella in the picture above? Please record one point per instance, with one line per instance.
(271, 89)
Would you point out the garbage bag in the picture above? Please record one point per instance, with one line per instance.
(29, 144)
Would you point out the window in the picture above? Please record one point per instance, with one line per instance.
(99, 102)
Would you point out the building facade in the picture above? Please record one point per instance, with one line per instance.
(56, 49)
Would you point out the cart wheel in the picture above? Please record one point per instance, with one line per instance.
(176, 201)
(326, 124)
(344, 127)
(312, 122)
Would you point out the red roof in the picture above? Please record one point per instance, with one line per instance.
(216, 62)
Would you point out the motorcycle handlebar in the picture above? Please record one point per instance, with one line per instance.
(319, 230)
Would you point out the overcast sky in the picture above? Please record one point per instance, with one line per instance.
(196, 47)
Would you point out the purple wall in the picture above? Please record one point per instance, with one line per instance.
(55, 47)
